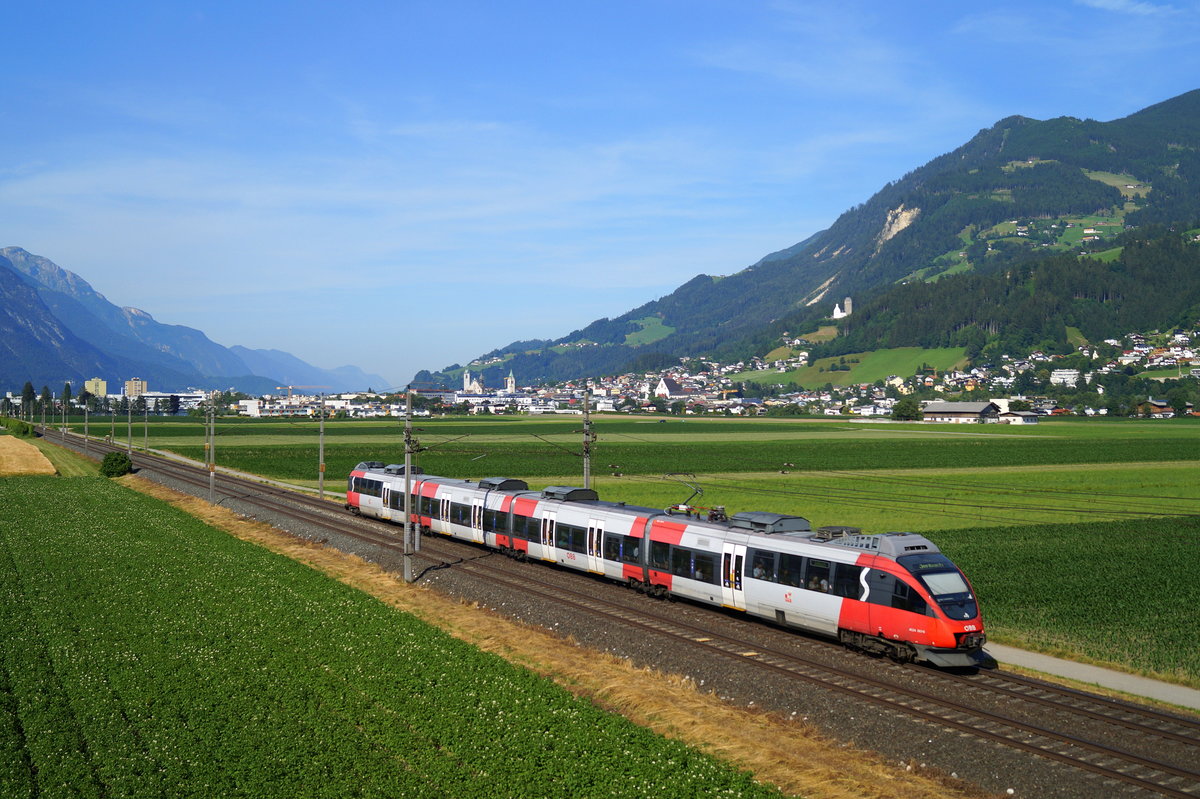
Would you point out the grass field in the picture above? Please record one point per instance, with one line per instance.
(144, 653)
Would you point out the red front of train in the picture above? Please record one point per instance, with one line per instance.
(921, 605)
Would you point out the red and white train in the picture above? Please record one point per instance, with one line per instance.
(893, 594)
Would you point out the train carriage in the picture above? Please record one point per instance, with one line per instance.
(892, 594)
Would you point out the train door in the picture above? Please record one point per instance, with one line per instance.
(477, 520)
(444, 516)
(595, 545)
(733, 561)
(548, 552)
(386, 511)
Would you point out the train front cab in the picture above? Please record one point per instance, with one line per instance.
(918, 605)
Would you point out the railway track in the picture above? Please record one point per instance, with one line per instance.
(1142, 750)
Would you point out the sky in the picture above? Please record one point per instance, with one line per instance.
(405, 185)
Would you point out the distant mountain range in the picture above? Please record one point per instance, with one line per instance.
(1017, 194)
(55, 328)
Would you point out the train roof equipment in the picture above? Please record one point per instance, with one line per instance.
(398, 468)
(889, 544)
(759, 521)
(569, 494)
(503, 484)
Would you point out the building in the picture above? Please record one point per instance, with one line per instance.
(96, 387)
(961, 412)
(472, 386)
(135, 387)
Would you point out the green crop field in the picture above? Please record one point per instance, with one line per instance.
(1121, 593)
(143, 653)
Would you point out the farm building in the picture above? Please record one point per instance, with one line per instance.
(961, 412)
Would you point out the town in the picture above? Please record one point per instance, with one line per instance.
(1095, 380)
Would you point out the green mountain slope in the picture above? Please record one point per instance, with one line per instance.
(1016, 193)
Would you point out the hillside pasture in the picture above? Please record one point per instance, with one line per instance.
(870, 366)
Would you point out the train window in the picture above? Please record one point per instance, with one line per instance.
(631, 549)
(791, 570)
(612, 547)
(704, 567)
(762, 565)
(846, 580)
(906, 598)
(817, 576)
(681, 562)
(430, 508)
(660, 555)
(571, 538)
(495, 521)
(460, 513)
(372, 488)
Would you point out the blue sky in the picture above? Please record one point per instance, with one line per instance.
(405, 185)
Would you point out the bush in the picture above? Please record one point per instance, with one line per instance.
(116, 464)
(18, 428)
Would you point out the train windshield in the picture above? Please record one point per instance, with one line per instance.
(944, 582)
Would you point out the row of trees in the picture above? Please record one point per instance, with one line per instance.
(34, 405)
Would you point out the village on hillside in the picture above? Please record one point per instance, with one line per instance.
(1016, 390)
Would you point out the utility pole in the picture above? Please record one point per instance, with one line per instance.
(129, 426)
(211, 447)
(146, 424)
(86, 438)
(321, 452)
(410, 448)
(589, 437)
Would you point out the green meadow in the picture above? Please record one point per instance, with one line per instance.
(864, 367)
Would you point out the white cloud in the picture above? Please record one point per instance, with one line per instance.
(1135, 7)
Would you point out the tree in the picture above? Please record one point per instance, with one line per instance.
(66, 395)
(907, 410)
(1178, 397)
(28, 396)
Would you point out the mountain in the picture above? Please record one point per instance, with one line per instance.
(969, 211)
(292, 371)
(57, 328)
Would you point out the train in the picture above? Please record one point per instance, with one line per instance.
(891, 594)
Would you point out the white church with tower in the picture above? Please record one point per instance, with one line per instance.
(840, 313)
